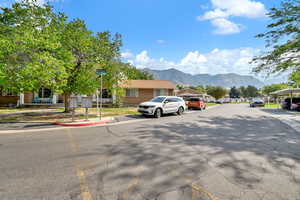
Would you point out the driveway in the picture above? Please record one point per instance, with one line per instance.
(229, 152)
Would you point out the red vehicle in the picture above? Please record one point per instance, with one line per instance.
(196, 103)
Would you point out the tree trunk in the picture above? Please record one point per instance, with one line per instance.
(67, 104)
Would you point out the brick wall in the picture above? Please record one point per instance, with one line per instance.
(8, 100)
(144, 95)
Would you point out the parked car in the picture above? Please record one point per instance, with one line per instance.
(286, 103)
(163, 105)
(196, 103)
(219, 101)
(257, 102)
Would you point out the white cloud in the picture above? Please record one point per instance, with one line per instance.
(223, 9)
(143, 58)
(160, 41)
(126, 55)
(213, 14)
(7, 3)
(225, 27)
(193, 58)
(240, 8)
(213, 62)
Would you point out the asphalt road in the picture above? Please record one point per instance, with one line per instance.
(226, 153)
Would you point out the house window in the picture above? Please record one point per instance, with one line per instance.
(133, 92)
(160, 92)
(45, 93)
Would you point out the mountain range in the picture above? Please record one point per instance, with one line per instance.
(224, 80)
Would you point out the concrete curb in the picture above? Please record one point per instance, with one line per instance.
(85, 123)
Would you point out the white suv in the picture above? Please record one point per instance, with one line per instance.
(163, 105)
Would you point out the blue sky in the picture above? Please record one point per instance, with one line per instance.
(194, 36)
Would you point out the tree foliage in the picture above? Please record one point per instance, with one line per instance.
(31, 54)
(266, 90)
(295, 78)
(234, 92)
(216, 91)
(40, 48)
(249, 91)
(283, 38)
(133, 73)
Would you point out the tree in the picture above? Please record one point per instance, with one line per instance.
(266, 90)
(90, 52)
(252, 91)
(295, 78)
(234, 92)
(243, 90)
(249, 91)
(179, 87)
(135, 74)
(283, 38)
(31, 55)
(216, 91)
(40, 48)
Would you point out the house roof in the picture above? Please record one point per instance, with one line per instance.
(148, 84)
(286, 91)
(188, 91)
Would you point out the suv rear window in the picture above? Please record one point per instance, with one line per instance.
(194, 99)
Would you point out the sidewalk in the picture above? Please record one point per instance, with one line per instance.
(290, 118)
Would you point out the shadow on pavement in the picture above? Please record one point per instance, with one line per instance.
(279, 111)
(228, 156)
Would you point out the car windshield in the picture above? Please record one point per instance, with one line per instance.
(158, 99)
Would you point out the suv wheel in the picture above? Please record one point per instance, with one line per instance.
(180, 111)
(157, 113)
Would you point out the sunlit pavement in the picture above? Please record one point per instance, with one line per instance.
(230, 152)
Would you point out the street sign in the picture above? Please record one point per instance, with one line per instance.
(86, 102)
(73, 102)
(100, 72)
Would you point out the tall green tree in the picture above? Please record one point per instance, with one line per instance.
(243, 90)
(283, 38)
(294, 77)
(90, 52)
(135, 74)
(31, 55)
(249, 91)
(41, 48)
(234, 92)
(216, 91)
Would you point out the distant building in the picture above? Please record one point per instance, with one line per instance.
(137, 91)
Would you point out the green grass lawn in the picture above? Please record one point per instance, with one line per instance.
(18, 110)
(52, 115)
(211, 104)
(272, 105)
(112, 111)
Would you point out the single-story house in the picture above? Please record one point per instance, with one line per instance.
(188, 93)
(43, 97)
(137, 91)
